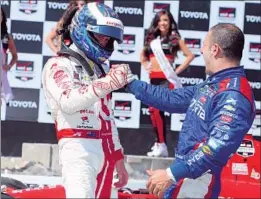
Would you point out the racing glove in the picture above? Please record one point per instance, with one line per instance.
(118, 77)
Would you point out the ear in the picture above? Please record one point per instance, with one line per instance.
(215, 49)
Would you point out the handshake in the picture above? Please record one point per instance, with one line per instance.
(118, 76)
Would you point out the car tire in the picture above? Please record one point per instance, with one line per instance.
(12, 183)
(5, 196)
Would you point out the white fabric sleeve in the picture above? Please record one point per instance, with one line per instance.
(69, 94)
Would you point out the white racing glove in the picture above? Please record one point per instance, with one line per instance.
(130, 75)
(118, 76)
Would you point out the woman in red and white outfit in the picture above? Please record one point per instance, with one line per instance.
(8, 45)
(163, 26)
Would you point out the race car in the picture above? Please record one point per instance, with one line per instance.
(11, 188)
(14, 189)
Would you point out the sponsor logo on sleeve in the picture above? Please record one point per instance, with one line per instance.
(207, 150)
(195, 158)
(226, 118)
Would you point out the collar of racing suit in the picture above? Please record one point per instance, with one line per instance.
(238, 70)
(105, 66)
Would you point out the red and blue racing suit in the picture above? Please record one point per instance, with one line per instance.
(219, 113)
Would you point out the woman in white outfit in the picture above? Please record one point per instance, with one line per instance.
(8, 45)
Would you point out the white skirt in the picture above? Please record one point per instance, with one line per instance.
(6, 92)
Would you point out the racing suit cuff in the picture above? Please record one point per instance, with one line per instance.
(130, 87)
(179, 170)
(169, 173)
(118, 155)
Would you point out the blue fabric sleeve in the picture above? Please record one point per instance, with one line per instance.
(164, 99)
(230, 120)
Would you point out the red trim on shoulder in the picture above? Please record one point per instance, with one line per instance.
(223, 84)
(245, 89)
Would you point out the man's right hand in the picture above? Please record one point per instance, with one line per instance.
(130, 75)
(118, 76)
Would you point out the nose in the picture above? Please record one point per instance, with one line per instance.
(104, 38)
(103, 41)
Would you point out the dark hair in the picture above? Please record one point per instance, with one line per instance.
(3, 25)
(230, 39)
(72, 5)
(172, 37)
(62, 26)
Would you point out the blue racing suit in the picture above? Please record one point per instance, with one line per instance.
(219, 113)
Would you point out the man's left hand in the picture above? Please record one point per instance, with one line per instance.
(122, 174)
(158, 182)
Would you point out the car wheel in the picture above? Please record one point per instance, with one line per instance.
(12, 183)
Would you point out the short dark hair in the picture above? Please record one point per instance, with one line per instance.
(230, 39)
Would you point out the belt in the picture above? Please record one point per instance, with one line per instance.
(79, 133)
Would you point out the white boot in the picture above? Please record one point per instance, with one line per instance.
(159, 150)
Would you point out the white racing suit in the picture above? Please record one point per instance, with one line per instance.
(87, 136)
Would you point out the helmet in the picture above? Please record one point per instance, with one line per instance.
(96, 18)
